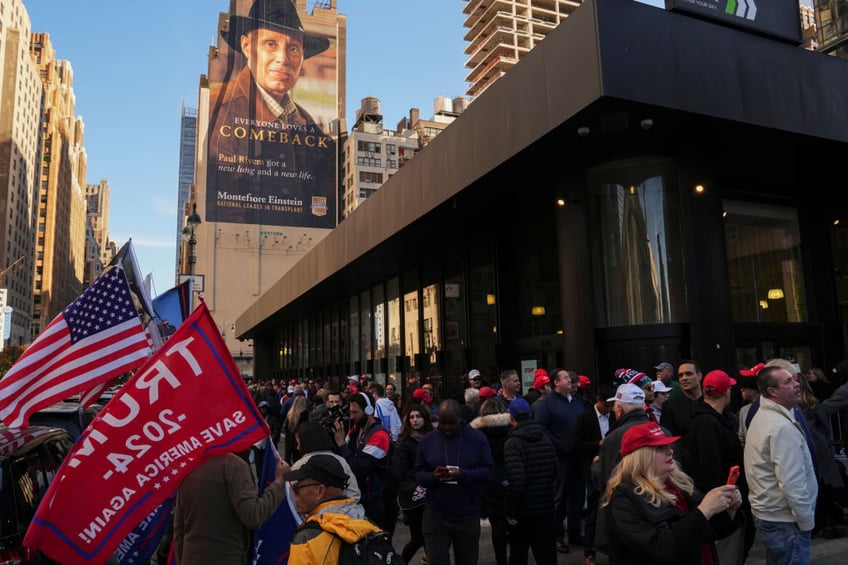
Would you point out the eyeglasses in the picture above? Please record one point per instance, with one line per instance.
(296, 487)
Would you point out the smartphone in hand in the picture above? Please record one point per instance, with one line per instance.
(733, 476)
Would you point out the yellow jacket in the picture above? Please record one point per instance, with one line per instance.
(339, 519)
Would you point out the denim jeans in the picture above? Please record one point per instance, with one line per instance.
(785, 543)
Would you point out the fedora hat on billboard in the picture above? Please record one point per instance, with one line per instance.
(276, 15)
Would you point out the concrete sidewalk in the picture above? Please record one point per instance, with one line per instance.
(825, 552)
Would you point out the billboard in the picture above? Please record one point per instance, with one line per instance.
(273, 95)
(778, 18)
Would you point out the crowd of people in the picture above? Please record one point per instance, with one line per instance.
(638, 469)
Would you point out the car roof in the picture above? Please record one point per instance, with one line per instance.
(14, 441)
(65, 406)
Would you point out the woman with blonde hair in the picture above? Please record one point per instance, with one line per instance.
(297, 415)
(654, 514)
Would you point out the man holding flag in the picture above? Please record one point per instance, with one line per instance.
(217, 507)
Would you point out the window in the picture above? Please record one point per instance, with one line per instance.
(368, 176)
(763, 246)
(369, 161)
(391, 149)
(368, 146)
(637, 243)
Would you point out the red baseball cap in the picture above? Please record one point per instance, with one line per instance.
(644, 435)
(717, 383)
(421, 394)
(584, 382)
(541, 380)
(487, 392)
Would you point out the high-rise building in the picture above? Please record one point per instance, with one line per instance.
(21, 105)
(97, 207)
(832, 27)
(809, 33)
(93, 263)
(501, 32)
(372, 154)
(188, 143)
(60, 232)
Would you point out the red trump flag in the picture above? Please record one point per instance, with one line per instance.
(187, 404)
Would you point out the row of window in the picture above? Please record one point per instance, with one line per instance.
(374, 147)
(369, 176)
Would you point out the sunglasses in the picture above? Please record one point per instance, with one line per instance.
(296, 487)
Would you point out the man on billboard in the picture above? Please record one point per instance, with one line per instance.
(270, 161)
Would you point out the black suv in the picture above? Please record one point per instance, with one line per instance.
(29, 459)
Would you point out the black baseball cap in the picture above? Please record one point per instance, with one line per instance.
(325, 469)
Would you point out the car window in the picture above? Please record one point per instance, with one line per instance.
(23, 481)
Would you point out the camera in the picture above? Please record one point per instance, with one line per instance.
(334, 414)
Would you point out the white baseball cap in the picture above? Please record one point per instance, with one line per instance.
(628, 393)
(660, 386)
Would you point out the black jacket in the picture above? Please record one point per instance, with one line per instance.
(531, 468)
(711, 447)
(677, 413)
(640, 533)
(403, 461)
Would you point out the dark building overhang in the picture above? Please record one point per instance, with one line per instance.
(767, 105)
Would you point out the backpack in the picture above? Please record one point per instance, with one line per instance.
(373, 549)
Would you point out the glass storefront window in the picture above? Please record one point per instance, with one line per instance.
(410, 322)
(393, 304)
(365, 328)
(432, 327)
(378, 321)
(539, 302)
(764, 263)
(637, 243)
(455, 325)
(354, 338)
(483, 322)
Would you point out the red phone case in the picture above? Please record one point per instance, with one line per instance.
(733, 475)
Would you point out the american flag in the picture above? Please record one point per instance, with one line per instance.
(96, 338)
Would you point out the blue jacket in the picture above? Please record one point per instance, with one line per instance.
(558, 415)
(469, 450)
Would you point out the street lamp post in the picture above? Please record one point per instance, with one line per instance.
(192, 222)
